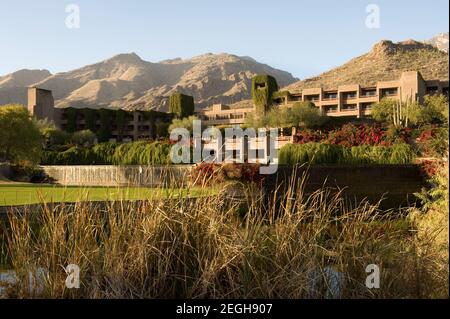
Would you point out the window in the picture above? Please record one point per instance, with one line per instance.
(330, 96)
(349, 107)
(366, 106)
(390, 92)
(331, 108)
(312, 98)
(349, 95)
(431, 90)
(368, 92)
(221, 117)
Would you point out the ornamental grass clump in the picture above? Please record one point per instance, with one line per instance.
(319, 153)
(284, 245)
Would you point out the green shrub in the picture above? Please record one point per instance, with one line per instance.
(365, 154)
(319, 153)
(111, 153)
(55, 137)
(142, 153)
(71, 114)
(73, 156)
(84, 138)
(90, 119)
(102, 154)
(263, 88)
(402, 154)
(20, 136)
(186, 123)
(281, 94)
(162, 129)
(181, 105)
(314, 153)
(105, 125)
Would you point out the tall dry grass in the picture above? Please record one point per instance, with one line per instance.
(291, 245)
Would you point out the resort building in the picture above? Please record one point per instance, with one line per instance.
(118, 125)
(346, 100)
(222, 114)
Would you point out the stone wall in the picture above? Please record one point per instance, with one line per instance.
(109, 175)
(396, 184)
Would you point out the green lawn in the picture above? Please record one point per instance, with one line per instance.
(23, 194)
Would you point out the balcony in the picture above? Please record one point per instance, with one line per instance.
(144, 128)
(391, 92)
(368, 93)
(236, 116)
(222, 117)
(349, 107)
(312, 98)
(331, 109)
(366, 106)
(349, 95)
(330, 96)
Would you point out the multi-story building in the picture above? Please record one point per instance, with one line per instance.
(346, 100)
(128, 126)
(222, 114)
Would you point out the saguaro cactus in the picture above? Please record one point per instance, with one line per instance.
(402, 112)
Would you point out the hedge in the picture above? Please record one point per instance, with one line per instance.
(319, 153)
(136, 153)
(280, 94)
(263, 88)
(90, 119)
(71, 119)
(181, 105)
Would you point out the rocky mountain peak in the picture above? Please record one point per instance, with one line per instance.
(440, 41)
(385, 61)
(24, 77)
(126, 81)
(127, 58)
(387, 47)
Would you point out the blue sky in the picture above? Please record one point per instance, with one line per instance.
(302, 37)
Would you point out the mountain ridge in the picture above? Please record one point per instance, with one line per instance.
(384, 62)
(127, 81)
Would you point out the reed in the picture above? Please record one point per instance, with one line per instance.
(290, 245)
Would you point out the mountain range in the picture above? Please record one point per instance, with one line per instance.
(126, 81)
(385, 61)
